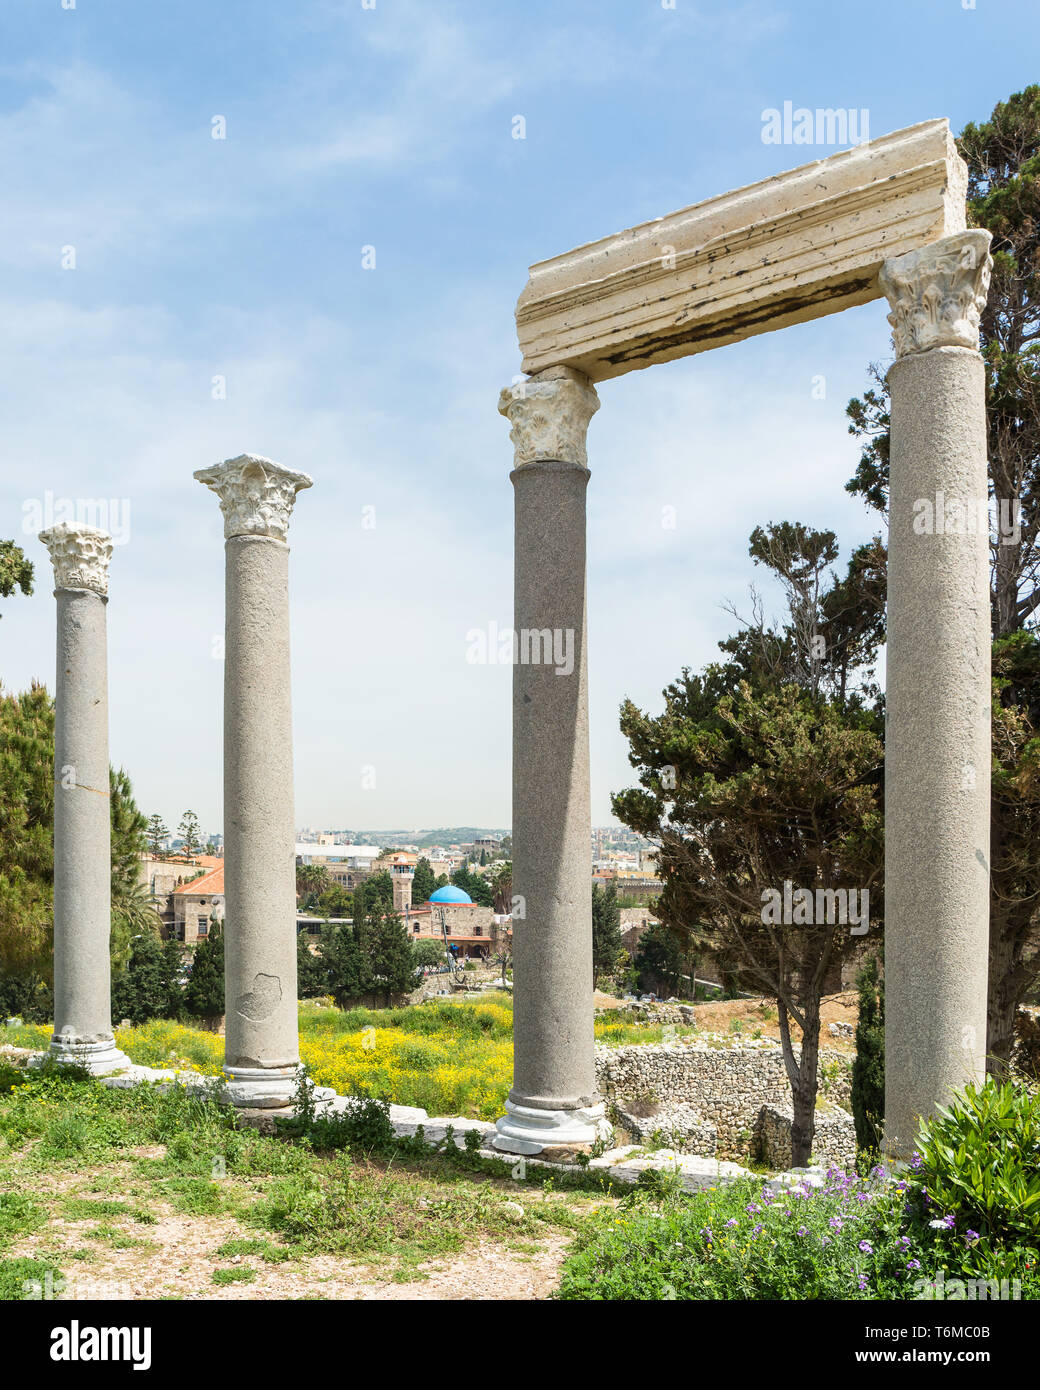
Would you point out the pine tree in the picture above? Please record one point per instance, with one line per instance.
(311, 978)
(606, 931)
(204, 996)
(133, 910)
(344, 964)
(191, 833)
(26, 838)
(141, 992)
(868, 1070)
(157, 834)
(172, 970)
(391, 958)
(659, 960)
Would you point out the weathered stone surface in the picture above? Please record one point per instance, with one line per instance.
(256, 495)
(553, 1100)
(261, 1041)
(792, 247)
(549, 416)
(82, 831)
(834, 1140)
(937, 745)
(80, 556)
(727, 1085)
(628, 1163)
(938, 293)
(677, 1124)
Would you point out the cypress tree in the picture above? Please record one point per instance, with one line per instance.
(204, 995)
(868, 1070)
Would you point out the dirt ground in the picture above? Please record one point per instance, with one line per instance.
(176, 1258)
(753, 1014)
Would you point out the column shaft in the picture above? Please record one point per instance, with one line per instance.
(261, 1043)
(259, 830)
(82, 824)
(554, 1063)
(553, 1100)
(937, 754)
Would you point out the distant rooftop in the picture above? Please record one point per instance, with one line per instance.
(313, 850)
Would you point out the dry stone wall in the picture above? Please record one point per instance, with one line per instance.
(727, 1086)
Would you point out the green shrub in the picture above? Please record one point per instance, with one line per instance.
(979, 1163)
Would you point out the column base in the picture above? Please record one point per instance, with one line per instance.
(526, 1130)
(261, 1088)
(99, 1058)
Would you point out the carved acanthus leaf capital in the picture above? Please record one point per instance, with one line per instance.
(80, 556)
(549, 414)
(938, 293)
(256, 495)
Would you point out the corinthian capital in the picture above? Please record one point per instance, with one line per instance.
(80, 556)
(549, 415)
(938, 293)
(256, 495)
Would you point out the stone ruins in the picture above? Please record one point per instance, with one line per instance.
(881, 219)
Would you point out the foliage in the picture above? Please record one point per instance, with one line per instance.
(311, 881)
(26, 837)
(606, 931)
(133, 909)
(335, 901)
(190, 834)
(150, 986)
(868, 1069)
(157, 834)
(765, 786)
(311, 976)
(660, 964)
(377, 890)
(204, 994)
(16, 572)
(979, 1164)
(476, 885)
(426, 951)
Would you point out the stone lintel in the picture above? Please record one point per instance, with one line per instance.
(792, 247)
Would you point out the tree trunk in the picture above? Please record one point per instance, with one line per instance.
(803, 1092)
(1002, 1005)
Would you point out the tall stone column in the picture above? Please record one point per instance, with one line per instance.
(553, 1100)
(937, 752)
(82, 824)
(261, 1046)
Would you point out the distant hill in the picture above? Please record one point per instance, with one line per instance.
(457, 835)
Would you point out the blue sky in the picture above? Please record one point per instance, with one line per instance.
(391, 127)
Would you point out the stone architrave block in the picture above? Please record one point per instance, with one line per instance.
(792, 247)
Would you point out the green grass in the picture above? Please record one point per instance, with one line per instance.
(392, 1209)
(239, 1274)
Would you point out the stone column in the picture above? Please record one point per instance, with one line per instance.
(553, 1100)
(261, 1046)
(82, 825)
(937, 754)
